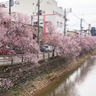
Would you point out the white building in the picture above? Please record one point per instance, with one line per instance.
(29, 7)
(44, 19)
(50, 12)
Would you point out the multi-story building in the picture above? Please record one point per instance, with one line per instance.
(29, 7)
(44, 19)
(93, 31)
(49, 11)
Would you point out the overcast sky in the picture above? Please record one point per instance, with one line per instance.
(3, 0)
(85, 9)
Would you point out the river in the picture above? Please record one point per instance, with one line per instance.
(78, 82)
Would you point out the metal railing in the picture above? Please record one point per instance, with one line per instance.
(7, 59)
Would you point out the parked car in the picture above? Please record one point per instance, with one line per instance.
(48, 48)
(6, 52)
(42, 49)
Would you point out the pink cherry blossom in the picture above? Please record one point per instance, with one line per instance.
(16, 33)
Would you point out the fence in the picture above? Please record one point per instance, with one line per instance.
(7, 59)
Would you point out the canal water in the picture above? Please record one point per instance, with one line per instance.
(79, 82)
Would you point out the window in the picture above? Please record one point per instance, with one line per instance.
(41, 23)
(35, 23)
(48, 34)
(46, 23)
(57, 13)
(57, 24)
(53, 12)
(48, 2)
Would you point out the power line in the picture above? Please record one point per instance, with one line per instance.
(74, 24)
(75, 15)
(88, 14)
(79, 18)
(85, 22)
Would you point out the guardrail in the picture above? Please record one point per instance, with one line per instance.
(7, 59)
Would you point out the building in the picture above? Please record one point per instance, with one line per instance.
(44, 19)
(29, 7)
(93, 31)
(71, 33)
(49, 11)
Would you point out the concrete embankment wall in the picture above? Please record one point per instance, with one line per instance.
(22, 72)
(19, 73)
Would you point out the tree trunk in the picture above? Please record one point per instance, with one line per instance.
(53, 52)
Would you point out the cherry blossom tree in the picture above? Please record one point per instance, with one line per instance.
(54, 39)
(16, 33)
(91, 43)
(69, 48)
(87, 43)
(51, 28)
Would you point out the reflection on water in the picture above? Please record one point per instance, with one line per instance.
(80, 82)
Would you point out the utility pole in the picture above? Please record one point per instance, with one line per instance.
(32, 24)
(38, 20)
(9, 7)
(89, 26)
(65, 22)
(31, 20)
(81, 26)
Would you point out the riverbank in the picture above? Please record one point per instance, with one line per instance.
(31, 87)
